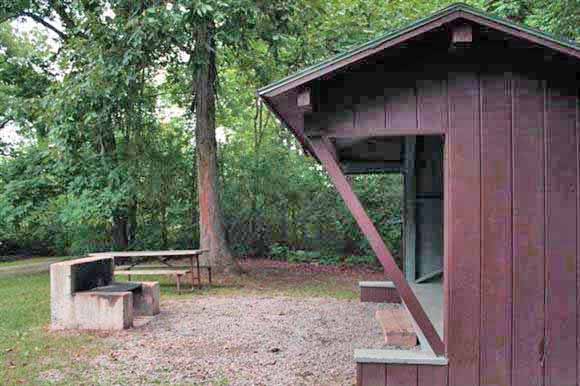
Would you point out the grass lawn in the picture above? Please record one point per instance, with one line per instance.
(33, 260)
(29, 351)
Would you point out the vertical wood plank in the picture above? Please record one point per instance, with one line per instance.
(336, 107)
(561, 178)
(431, 105)
(432, 375)
(578, 231)
(410, 208)
(464, 259)
(401, 375)
(402, 104)
(373, 374)
(370, 102)
(447, 236)
(495, 350)
(528, 232)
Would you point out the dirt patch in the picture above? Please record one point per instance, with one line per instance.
(249, 340)
(263, 276)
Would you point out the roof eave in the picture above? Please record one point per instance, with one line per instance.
(437, 19)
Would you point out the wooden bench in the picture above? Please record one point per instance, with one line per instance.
(156, 271)
(161, 270)
(397, 326)
(138, 264)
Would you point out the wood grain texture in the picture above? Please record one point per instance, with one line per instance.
(401, 102)
(373, 374)
(401, 375)
(577, 120)
(529, 232)
(410, 196)
(561, 328)
(432, 375)
(432, 104)
(379, 295)
(369, 104)
(465, 255)
(496, 264)
(447, 237)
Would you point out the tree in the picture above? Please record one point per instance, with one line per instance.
(212, 230)
(213, 26)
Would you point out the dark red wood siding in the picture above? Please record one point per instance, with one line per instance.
(379, 295)
(528, 232)
(401, 375)
(561, 233)
(496, 246)
(465, 255)
(512, 223)
(378, 374)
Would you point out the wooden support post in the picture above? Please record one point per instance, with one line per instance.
(197, 267)
(321, 149)
(410, 232)
(192, 274)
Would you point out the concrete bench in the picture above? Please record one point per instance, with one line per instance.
(84, 296)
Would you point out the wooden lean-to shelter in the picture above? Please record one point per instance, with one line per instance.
(482, 117)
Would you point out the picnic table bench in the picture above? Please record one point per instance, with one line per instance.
(138, 265)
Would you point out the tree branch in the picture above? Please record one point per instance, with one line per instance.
(40, 20)
(60, 9)
(4, 123)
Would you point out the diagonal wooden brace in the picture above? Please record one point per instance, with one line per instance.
(324, 151)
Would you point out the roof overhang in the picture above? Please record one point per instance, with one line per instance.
(447, 15)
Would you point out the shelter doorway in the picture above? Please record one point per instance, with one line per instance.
(423, 208)
(420, 160)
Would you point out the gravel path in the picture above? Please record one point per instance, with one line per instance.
(244, 341)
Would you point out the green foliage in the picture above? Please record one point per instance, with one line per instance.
(108, 139)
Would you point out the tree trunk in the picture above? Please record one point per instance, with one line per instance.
(119, 231)
(132, 224)
(212, 230)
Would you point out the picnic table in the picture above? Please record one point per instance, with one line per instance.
(139, 264)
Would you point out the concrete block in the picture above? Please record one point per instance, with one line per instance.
(64, 278)
(104, 310)
(84, 296)
(61, 296)
(146, 301)
(399, 357)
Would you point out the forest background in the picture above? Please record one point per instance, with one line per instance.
(98, 125)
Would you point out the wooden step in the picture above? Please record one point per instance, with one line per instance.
(397, 327)
(378, 292)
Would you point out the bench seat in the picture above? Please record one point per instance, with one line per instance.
(145, 272)
(177, 272)
(119, 287)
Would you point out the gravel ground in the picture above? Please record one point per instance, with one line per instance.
(244, 341)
